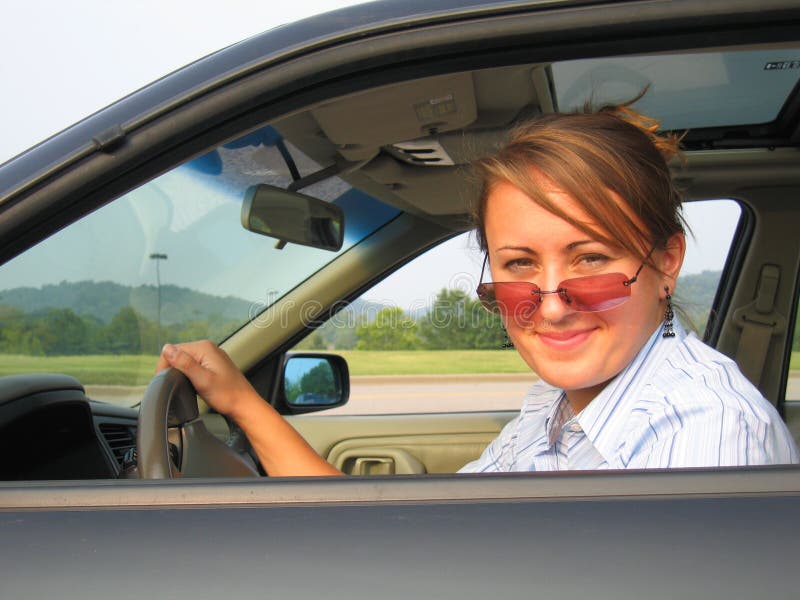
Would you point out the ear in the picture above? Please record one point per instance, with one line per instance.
(671, 259)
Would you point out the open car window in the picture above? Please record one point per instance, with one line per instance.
(419, 341)
(170, 261)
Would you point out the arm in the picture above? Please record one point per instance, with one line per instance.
(280, 448)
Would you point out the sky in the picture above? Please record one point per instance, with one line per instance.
(65, 60)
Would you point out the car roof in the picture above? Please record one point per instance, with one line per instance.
(103, 128)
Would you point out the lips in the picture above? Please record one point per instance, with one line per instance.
(564, 340)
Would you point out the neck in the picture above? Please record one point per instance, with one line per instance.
(579, 399)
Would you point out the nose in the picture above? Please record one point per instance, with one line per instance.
(553, 306)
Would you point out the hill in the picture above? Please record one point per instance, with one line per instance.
(104, 299)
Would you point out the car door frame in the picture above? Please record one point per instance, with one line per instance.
(114, 151)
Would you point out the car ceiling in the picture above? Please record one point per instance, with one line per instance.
(451, 119)
(410, 143)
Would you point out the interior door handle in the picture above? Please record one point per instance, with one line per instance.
(373, 465)
(378, 461)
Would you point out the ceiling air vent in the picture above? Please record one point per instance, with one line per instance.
(121, 438)
(426, 152)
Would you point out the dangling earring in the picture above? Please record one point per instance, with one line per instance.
(507, 343)
(668, 315)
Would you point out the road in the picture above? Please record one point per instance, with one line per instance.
(415, 394)
(432, 393)
(412, 393)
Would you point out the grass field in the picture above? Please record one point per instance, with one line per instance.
(433, 362)
(138, 369)
(89, 370)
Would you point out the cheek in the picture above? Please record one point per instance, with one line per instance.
(644, 310)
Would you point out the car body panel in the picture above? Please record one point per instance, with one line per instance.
(666, 535)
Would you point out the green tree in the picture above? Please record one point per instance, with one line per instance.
(16, 335)
(127, 333)
(391, 329)
(61, 332)
(489, 334)
(335, 334)
(313, 341)
(456, 321)
(186, 332)
(320, 380)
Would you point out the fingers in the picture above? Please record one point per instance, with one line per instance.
(167, 357)
(180, 357)
(203, 352)
(163, 361)
(214, 375)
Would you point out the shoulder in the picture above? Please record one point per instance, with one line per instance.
(700, 410)
(697, 378)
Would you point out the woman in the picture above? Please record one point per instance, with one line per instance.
(581, 226)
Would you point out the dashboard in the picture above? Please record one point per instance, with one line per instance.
(50, 430)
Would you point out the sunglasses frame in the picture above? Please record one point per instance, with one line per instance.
(562, 289)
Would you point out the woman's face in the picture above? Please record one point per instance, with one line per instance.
(577, 351)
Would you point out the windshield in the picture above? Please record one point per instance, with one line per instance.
(169, 261)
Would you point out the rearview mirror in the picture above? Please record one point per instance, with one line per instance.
(293, 217)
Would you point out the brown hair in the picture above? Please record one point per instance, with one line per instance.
(586, 154)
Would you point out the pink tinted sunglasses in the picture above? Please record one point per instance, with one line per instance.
(520, 299)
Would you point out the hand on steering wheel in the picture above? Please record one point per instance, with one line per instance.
(168, 416)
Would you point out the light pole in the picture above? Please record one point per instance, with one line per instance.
(158, 257)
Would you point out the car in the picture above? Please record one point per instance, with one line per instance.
(375, 110)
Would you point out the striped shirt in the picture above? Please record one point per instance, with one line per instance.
(679, 403)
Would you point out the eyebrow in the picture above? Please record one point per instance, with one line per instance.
(580, 243)
(569, 247)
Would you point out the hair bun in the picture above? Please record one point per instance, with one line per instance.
(668, 144)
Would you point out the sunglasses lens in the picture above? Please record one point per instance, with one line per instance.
(515, 300)
(596, 292)
(519, 300)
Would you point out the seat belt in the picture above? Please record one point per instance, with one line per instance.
(759, 322)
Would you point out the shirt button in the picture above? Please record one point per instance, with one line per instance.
(575, 427)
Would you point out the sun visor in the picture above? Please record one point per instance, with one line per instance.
(360, 124)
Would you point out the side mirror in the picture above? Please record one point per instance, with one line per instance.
(314, 382)
(293, 217)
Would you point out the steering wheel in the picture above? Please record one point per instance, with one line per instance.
(171, 439)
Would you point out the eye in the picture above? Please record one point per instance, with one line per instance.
(518, 263)
(593, 260)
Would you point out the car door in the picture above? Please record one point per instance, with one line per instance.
(688, 533)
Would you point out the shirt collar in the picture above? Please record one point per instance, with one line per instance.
(560, 412)
(605, 417)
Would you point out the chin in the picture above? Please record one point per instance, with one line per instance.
(568, 382)
(567, 374)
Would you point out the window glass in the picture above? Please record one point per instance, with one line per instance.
(793, 381)
(167, 261)
(419, 342)
(712, 225)
(690, 90)
(791, 405)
